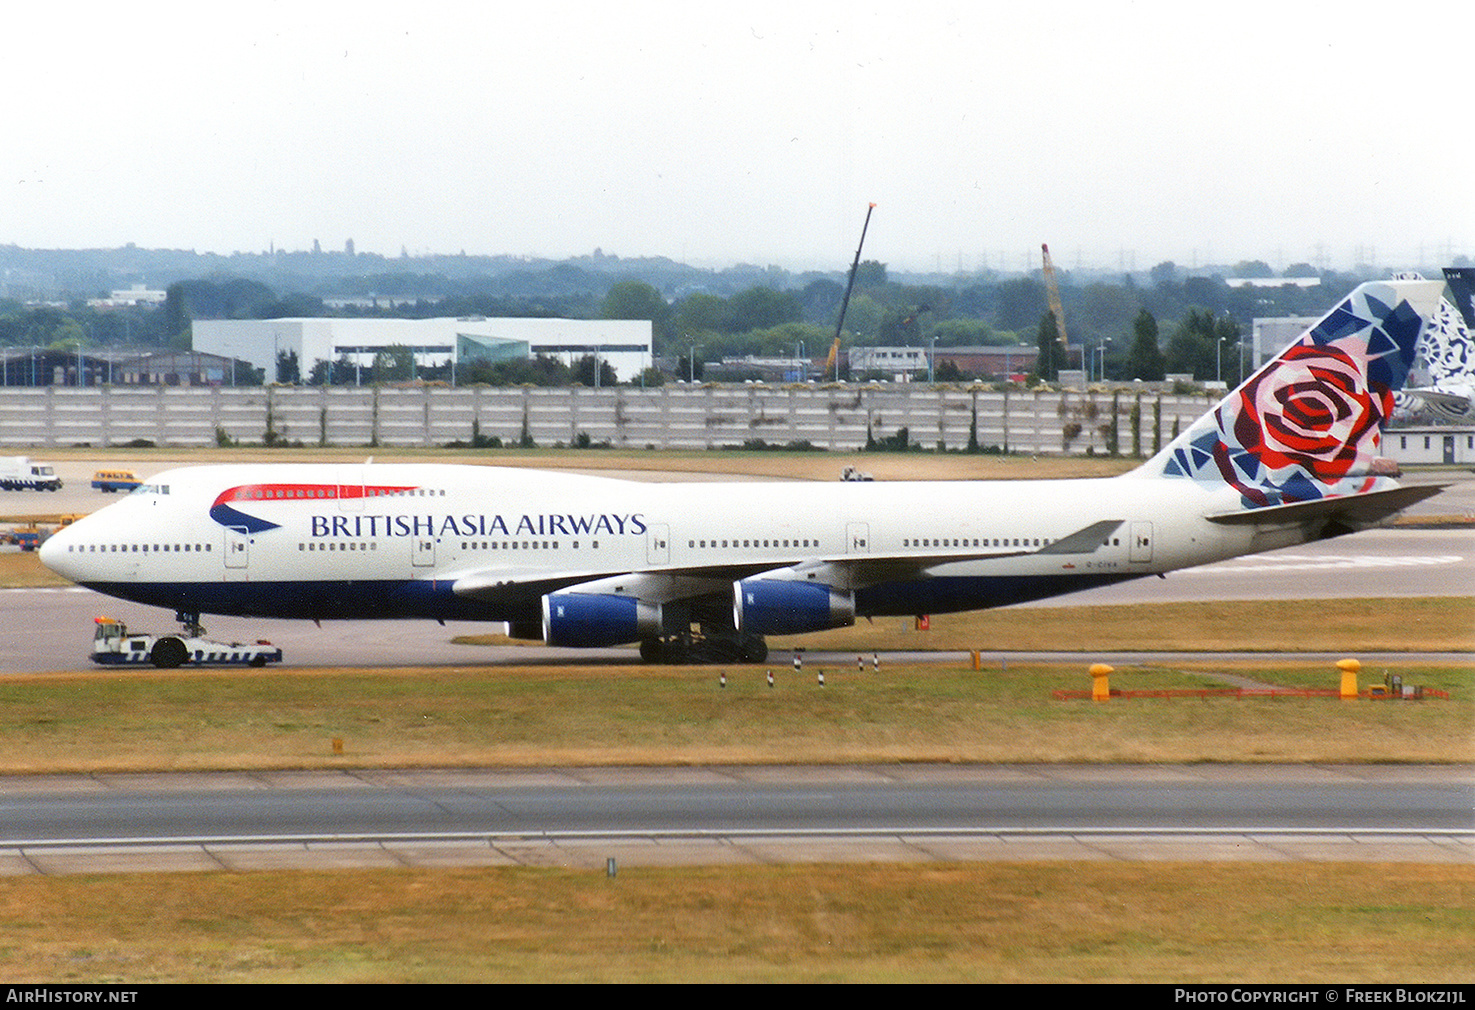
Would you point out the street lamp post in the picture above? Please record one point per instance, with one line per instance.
(1219, 342)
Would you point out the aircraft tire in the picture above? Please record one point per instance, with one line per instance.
(753, 650)
(168, 653)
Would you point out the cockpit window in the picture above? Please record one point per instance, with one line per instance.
(151, 489)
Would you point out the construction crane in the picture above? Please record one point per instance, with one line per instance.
(1052, 289)
(832, 365)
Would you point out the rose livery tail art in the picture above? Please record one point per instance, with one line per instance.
(1309, 424)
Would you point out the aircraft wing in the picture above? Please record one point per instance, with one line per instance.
(850, 571)
(587, 608)
(866, 571)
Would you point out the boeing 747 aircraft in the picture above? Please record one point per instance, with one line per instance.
(698, 572)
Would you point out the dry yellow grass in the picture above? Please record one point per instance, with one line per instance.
(140, 720)
(24, 570)
(1405, 624)
(1020, 922)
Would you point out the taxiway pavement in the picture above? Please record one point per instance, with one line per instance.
(705, 815)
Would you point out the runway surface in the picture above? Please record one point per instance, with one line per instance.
(583, 817)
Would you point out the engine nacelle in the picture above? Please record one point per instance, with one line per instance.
(588, 620)
(763, 606)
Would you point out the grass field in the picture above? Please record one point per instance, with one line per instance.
(925, 922)
(509, 716)
(933, 922)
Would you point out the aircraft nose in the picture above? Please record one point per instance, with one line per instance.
(55, 555)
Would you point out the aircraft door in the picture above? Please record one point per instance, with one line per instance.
(351, 488)
(658, 544)
(858, 538)
(423, 551)
(1140, 549)
(237, 547)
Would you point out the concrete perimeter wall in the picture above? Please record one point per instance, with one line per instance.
(672, 417)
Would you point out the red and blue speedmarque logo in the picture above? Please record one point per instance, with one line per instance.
(224, 512)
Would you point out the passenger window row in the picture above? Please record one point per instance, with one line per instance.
(791, 542)
(976, 542)
(521, 545)
(136, 548)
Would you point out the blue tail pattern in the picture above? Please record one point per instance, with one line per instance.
(1309, 423)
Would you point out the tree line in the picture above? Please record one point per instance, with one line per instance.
(1170, 322)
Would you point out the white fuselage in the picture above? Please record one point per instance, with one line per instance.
(395, 540)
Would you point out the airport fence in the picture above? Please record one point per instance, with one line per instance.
(837, 417)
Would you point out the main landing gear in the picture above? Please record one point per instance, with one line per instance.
(189, 623)
(705, 649)
(169, 651)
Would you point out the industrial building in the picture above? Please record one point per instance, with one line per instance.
(1270, 336)
(624, 345)
(49, 366)
(1435, 445)
(901, 363)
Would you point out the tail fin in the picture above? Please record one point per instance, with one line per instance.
(1309, 423)
(1443, 383)
(1461, 282)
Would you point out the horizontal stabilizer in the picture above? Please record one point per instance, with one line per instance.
(1359, 509)
(1450, 401)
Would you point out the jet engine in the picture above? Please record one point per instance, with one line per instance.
(763, 605)
(587, 620)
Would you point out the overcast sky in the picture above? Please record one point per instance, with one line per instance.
(1121, 133)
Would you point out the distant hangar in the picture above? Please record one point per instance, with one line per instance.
(625, 345)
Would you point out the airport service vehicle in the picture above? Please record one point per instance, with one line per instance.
(21, 473)
(108, 481)
(31, 535)
(112, 645)
(703, 572)
(27, 537)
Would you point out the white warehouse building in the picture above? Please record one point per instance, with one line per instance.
(625, 345)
